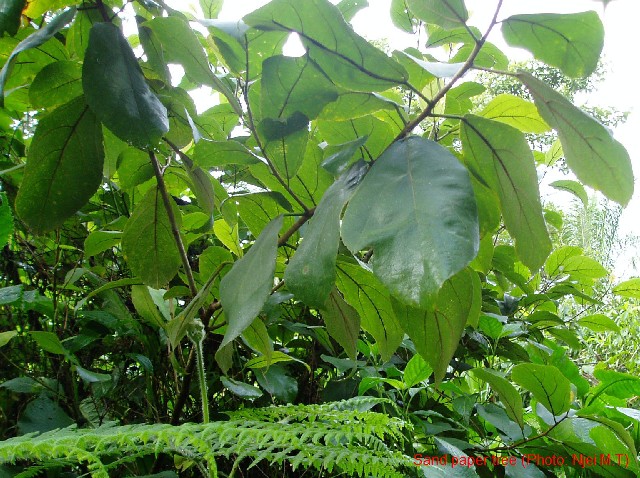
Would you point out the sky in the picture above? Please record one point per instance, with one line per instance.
(618, 90)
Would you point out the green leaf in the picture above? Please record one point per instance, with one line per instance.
(436, 68)
(286, 142)
(516, 112)
(311, 273)
(615, 384)
(117, 91)
(5, 337)
(246, 287)
(42, 415)
(597, 159)
(33, 41)
(345, 57)
(441, 37)
(546, 383)
(92, 377)
(367, 295)
(55, 84)
(263, 362)
(49, 342)
(148, 244)
(215, 154)
(416, 208)
(10, 13)
(629, 288)
(294, 85)
(257, 337)
(416, 371)
(64, 166)
(500, 155)
(100, 241)
(584, 267)
(572, 42)
(211, 8)
(349, 8)
(145, 306)
(401, 15)
(22, 385)
(241, 389)
(599, 323)
(557, 259)
(436, 329)
(338, 162)
(278, 382)
(574, 187)
(508, 394)
(343, 322)
(351, 104)
(445, 13)
(134, 168)
(6, 220)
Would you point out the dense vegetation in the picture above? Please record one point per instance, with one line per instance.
(342, 268)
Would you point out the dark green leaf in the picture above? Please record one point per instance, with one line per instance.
(277, 382)
(241, 389)
(546, 383)
(42, 415)
(343, 322)
(509, 396)
(6, 220)
(64, 166)
(10, 13)
(597, 159)
(416, 208)
(33, 41)
(445, 13)
(55, 84)
(22, 385)
(572, 42)
(49, 342)
(286, 142)
(117, 91)
(92, 377)
(311, 272)
(148, 244)
(346, 58)
(574, 187)
(246, 287)
(337, 163)
(500, 155)
(436, 329)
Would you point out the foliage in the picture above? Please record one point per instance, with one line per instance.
(340, 224)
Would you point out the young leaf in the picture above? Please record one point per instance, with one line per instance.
(345, 57)
(597, 159)
(436, 329)
(367, 295)
(500, 155)
(508, 394)
(33, 41)
(572, 42)
(117, 91)
(148, 244)
(64, 166)
(416, 208)
(246, 287)
(445, 13)
(546, 383)
(311, 272)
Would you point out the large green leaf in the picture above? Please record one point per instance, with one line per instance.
(64, 166)
(33, 41)
(148, 244)
(629, 288)
(311, 272)
(246, 287)
(508, 394)
(590, 150)
(342, 321)
(401, 15)
(572, 42)
(499, 154)
(616, 384)
(10, 12)
(345, 57)
(416, 208)
(117, 91)
(516, 112)
(547, 384)
(446, 13)
(216, 154)
(367, 295)
(55, 84)
(6, 220)
(291, 85)
(436, 329)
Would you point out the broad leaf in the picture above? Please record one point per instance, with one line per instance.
(445, 13)
(342, 321)
(367, 295)
(345, 57)
(599, 323)
(436, 329)
(436, 68)
(557, 260)
(509, 396)
(49, 342)
(211, 8)
(5, 337)
(574, 188)
(597, 159)
(217, 154)
(148, 244)
(64, 166)
(33, 41)
(546, 383)
(401, 15)
(100, 241)
(349, 8)
(499, 154)
(311, 272)
(257, 337)
(241, 389)
(10, 13)
(117, 91)
(572, 42)
(246, 287)
(629, 288)
(55, 84)
(416, 371)
(616, 384)
(441, 37)
(146, 307)
(516, 112)
(416, 208)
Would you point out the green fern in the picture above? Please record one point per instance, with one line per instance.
(343, 436)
